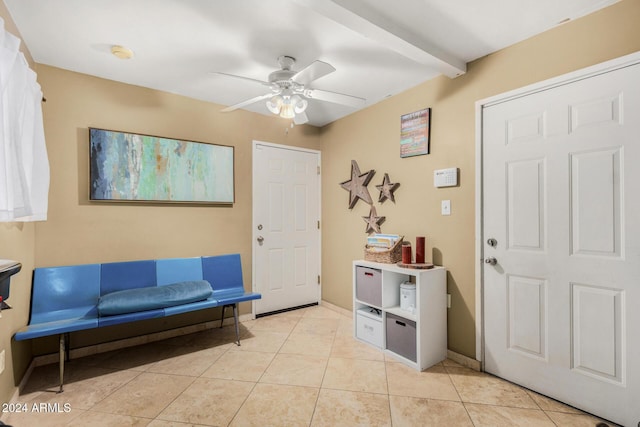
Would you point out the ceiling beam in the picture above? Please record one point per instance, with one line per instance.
(370, 24)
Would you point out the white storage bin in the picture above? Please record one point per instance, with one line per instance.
(369, 326)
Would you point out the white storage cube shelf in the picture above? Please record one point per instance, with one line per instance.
(429, 318)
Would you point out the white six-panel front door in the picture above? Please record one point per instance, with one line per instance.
(286, 214)
(561, 198)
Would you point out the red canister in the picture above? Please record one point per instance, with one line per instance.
(406, 253)
(420, 243)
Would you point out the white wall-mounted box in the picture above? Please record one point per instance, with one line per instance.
(445, 177)
(369, 326)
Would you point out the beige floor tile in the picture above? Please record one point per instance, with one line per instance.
(277, 406)
(547, 404)
(295, 369)
(242, 366)
(576, 420)
(138, 358)
(212, 337)
(345, 327)
(500, 416)
(434, 383)
(144, 396)
(269, 342)
(412, 411)
(320, 312)
(208, 401)
(355, 375)
(275, 323)
(164, 423)
(451, 363)
(312, 345)
(348, 347)
(84, 386)
(478, 387)
(39, 418)
(99, 419)
(316, 326)
(188, 361)
(338, 408)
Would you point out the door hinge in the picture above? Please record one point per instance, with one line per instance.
(318, 169)
(318, 279)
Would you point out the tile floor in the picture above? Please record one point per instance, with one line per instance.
(300, 368)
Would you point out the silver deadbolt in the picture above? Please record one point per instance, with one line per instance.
(259, 226)
(492, 242)
(260, 239)
(491, 261)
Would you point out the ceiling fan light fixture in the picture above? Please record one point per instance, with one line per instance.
(287, 111)
(299, 104)
(275, 104)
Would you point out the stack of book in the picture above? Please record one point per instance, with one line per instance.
(382, 242)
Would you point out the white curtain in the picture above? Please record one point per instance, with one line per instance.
(24, 166)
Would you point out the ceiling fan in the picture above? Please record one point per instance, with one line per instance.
(289, 90)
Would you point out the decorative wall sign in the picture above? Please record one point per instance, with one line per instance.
(132, 167)
(357, 185)
(414, 133)
(373, 221)
(386, 189)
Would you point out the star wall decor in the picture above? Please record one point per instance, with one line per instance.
(386, 189)
(357, 185)
(373, 221)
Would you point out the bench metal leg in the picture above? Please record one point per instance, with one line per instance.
(62, 356)
(235, 318)
(222, 318)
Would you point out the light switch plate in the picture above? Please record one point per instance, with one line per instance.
(446, 207)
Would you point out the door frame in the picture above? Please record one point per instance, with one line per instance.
(254, 231)
(584, 73)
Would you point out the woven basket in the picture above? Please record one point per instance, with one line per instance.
(390, 256)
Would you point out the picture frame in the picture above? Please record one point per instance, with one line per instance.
(130, 167)
(415, 130)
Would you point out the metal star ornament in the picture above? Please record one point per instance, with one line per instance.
(386, 189)
(373, 221)
(357, 185)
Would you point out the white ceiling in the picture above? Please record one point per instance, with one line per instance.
(378, 47)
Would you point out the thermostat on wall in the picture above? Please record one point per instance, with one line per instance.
(445, 177)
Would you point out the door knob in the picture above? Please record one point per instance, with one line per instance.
(491, 261)
(260, 239)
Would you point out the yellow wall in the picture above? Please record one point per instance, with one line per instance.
(371, 137)
(17, 242)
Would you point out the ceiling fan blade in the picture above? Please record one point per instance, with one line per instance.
(336, 98)
(300, 118)
(247, 102)
(312, 72)
(262, 82)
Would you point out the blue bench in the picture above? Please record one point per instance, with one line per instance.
(80, 297)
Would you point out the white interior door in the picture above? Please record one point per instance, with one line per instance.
(561, 198)
(286, 221)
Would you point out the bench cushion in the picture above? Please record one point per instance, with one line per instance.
(153, 297)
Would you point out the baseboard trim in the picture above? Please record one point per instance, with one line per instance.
(464, 360)
(336, 308)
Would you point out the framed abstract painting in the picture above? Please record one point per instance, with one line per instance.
(133, 167)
